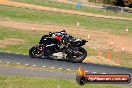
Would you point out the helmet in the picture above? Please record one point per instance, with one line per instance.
(63, 32)
(50, 34)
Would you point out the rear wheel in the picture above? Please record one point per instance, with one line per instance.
(78, 55)
(35, 53)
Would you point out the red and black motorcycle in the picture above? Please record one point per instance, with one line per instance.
(70, 49)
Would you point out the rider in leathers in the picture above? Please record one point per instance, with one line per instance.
(61, 38)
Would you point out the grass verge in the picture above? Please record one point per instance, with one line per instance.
(8, 81)
(115, 26)
(61, 5)
(29, 36)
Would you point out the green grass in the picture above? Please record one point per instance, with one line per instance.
(115, 26)
(50, 3)
(29, 37)
(8, 81)
(124, 57)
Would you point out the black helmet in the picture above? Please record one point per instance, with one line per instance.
(63, 32)
(50, 33)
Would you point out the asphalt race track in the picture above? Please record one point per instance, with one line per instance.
(91, 68)
(34, 73)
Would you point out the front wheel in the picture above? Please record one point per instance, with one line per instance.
(78, 55)
(35, 53)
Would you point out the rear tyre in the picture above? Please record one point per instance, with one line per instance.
(35, 53)
(79, 57)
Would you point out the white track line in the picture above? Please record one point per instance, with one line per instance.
(52, 67)
(86, 71)
(60, 68)
(94, 72)
(25, 54)
(68, 69)
(43, 66)
(34, 65)
(26, 64)
(8, 62)
(18, 53)
(17, 63)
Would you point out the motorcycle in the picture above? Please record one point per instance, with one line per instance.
(69, 50)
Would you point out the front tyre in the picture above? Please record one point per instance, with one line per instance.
(78, 55)
(35, 53)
